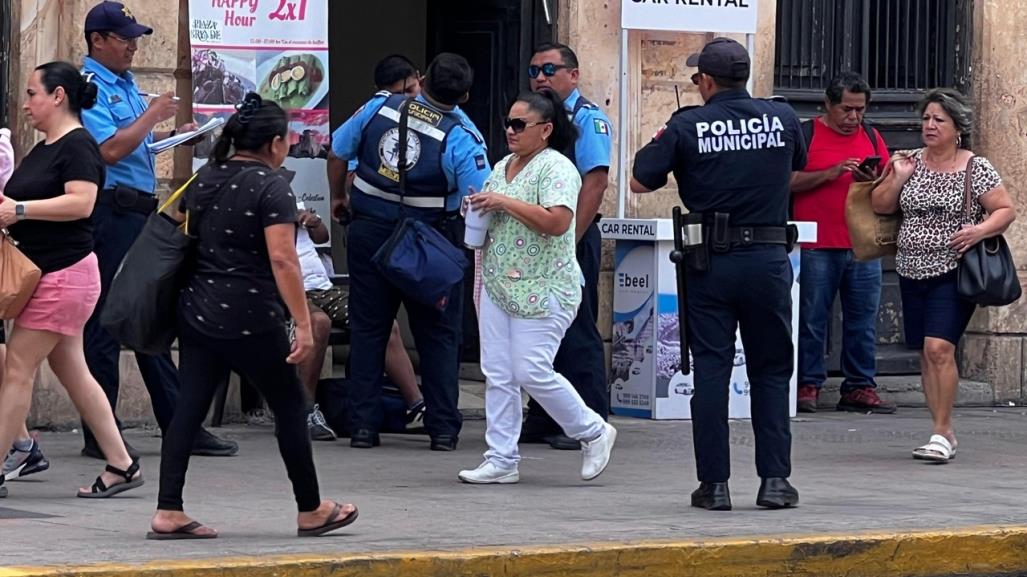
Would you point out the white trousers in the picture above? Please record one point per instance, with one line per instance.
(518, 353)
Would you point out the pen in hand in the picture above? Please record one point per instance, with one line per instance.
(152, 95)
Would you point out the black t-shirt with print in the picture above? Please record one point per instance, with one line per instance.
(43, 172)
(231, 292)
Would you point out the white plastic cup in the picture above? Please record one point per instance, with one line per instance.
(476, 228)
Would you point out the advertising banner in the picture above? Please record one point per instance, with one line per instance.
(278, 49)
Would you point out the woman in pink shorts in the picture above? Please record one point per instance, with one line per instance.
(46, 207)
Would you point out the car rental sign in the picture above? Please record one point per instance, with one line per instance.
(719, 16)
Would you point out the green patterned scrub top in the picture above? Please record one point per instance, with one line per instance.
(523, 269)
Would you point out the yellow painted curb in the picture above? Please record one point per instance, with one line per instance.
(986, 550)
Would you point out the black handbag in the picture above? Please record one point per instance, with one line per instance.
(142, 304)
(986, 275)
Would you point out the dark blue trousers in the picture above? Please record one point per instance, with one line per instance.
(580, 358)
(373, 304)
(747, 289)
(114, 234)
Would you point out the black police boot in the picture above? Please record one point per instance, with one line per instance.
(444, 443)
(712, 497)
(562, 442)
(207, 445)
(364, 439)
(777, 493)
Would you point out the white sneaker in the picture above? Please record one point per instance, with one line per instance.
(595, 455)
(488, 473)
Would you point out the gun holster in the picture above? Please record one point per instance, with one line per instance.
(791, 236)
(721, 233)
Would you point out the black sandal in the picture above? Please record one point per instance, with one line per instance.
(100, 490)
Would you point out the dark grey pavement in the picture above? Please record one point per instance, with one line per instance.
(854, 472)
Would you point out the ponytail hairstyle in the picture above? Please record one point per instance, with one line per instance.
(254, 125)
(79, 92)
(550, 108)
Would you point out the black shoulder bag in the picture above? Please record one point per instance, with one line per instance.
(417, 259)
(986, 275)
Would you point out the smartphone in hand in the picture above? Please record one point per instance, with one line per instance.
(870, 164)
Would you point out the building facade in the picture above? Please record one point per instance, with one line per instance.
(497, 36)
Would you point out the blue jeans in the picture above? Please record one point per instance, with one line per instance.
(823, 274)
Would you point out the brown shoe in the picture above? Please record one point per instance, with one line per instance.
(808, 399)
(865, 400)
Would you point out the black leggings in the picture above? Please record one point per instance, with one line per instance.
(260, 359)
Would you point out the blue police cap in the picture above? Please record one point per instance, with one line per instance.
(723, 58)
(115, 17)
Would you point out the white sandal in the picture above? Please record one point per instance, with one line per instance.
(939, 450)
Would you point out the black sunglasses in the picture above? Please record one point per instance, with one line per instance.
(549, 69)
(519, 125)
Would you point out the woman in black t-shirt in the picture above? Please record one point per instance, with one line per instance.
(46, 207)
(242, 215)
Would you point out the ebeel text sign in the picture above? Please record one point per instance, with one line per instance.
(721, 16)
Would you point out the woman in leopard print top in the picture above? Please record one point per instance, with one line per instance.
(928, 185)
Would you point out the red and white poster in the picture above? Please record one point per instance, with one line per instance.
(278, 49)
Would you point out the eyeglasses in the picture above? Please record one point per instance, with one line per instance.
(122, 39)
(549, 69)
(519, 125)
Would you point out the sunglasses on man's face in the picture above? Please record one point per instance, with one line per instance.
(549, 69)
(519, 125)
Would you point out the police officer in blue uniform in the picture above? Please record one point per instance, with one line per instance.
(580, 358)
(445, 161)
(733, 159)
(123, 124)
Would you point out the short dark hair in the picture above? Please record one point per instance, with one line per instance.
(570, 59)
(256, 123)
(449, 78)
(392, 69)
(550, 107)
(846, 81)
(730, 83)
(81, 93)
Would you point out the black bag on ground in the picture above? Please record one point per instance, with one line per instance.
(332, 399)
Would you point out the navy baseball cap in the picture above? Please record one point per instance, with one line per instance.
(117, 18)
(723, 58)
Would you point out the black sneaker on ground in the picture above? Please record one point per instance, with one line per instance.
(318, 426)
(865, 400)
(207, 445)
(24, 463)
(92, 450)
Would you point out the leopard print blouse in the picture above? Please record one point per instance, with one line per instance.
(932, 211)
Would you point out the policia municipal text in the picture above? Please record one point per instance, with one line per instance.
(733, 159)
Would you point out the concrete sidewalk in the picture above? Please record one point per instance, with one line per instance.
(867, 508)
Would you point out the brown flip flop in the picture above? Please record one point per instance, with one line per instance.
(187, 531)
(333, 523)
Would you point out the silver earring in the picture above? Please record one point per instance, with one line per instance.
(959, 141)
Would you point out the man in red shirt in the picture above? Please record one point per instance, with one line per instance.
(840, 143)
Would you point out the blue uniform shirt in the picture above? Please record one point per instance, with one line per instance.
(592, 149)
(736, 155)
(464, 161)
(118, 105)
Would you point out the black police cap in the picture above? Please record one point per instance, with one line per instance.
(117, 18)
(723, 58)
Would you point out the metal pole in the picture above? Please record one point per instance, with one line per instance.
(750, 45)
(622, 127)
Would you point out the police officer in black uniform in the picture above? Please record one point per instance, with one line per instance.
(733, 159)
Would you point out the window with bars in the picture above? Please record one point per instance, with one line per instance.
(897, 45)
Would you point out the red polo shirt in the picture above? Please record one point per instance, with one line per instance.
(825, 204)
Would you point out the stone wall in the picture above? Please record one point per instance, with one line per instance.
(993, 349)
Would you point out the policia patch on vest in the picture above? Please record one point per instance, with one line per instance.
(388, 152)
(426, 114)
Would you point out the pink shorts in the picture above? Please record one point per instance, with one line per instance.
(63, 300)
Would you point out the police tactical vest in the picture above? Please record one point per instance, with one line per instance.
(581, 103)
(376, 185)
